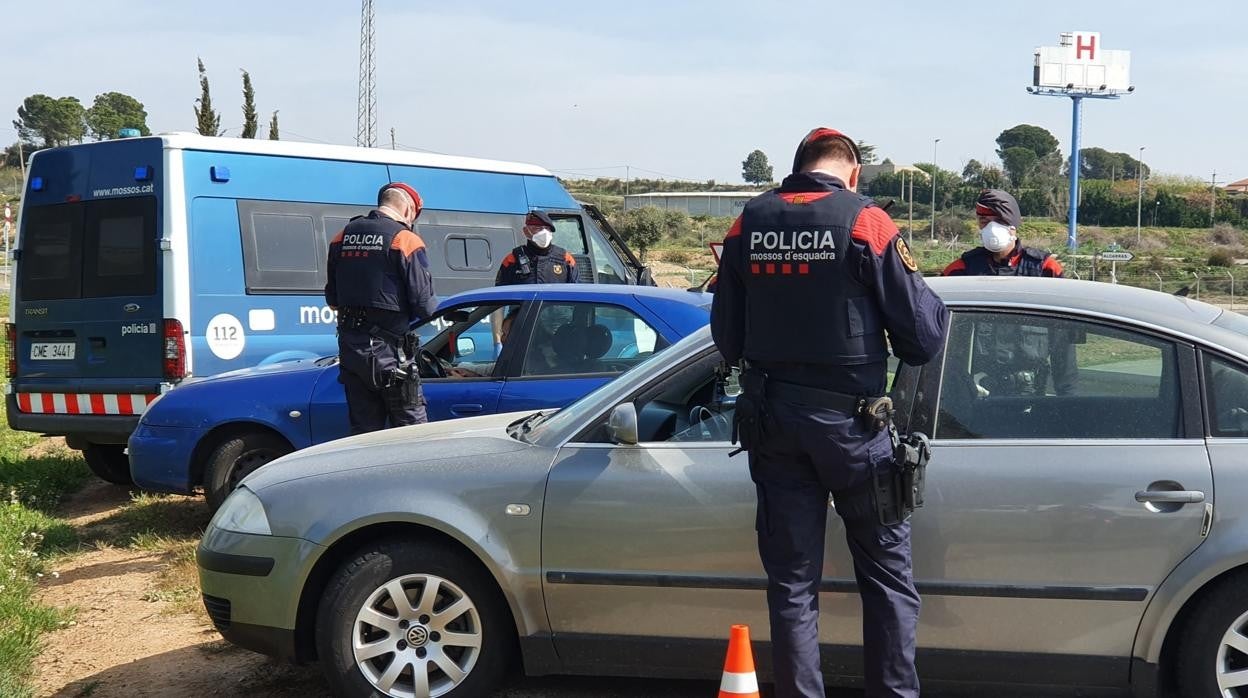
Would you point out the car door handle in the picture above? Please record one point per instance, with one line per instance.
(465, 408)
(1170, 496)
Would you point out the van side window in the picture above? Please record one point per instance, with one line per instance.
(283, 252)
(468, 253)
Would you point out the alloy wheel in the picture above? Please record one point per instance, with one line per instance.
(417, 636)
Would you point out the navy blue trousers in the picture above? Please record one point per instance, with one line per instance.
(807, 454)
(363, 361)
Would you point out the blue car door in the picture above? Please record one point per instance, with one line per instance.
(575, 347)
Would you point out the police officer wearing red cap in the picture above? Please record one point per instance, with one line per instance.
(379, 282)
(538, 261)
(1002, 254)
(811, 279)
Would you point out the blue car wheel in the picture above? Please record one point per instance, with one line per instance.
(237, 457)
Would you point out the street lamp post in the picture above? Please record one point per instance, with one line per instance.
(1155, 207)
(1139, 174)
(934, 170)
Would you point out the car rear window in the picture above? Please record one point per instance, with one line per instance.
(89, 250)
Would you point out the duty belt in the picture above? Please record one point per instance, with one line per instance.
(357, 319)
(818, 397)
(876, 412)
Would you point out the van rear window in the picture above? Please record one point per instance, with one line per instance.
(91, 249)
(51, 263)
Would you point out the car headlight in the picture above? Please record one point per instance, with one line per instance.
(242, 512)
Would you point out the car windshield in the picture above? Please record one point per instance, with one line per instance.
(537, 429)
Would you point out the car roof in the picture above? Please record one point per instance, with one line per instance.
(578, 292)
(1139, 306)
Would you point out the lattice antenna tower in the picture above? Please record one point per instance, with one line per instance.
(366, 114)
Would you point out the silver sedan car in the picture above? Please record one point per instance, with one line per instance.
(1086, 521)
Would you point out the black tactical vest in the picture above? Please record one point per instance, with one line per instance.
(804, 303)
(367, 276)
(979, 262)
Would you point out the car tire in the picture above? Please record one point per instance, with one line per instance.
(236, 458)
(109, 462)
(362, 591)
(1213, 641)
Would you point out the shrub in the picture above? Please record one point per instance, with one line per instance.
(1221, 257)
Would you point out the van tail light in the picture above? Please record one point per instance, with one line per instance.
(175, 351)
(10, 349)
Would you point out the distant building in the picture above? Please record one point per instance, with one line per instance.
(695, 203)
(1240, 187)
(870, 172)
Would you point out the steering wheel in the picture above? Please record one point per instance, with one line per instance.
(711, 425)
(432, 363)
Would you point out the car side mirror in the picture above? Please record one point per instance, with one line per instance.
(622, 424)
(465, 346)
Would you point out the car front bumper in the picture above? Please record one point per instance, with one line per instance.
(160, 458)
(251, 586)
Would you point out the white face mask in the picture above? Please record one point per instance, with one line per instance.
(996, 237)
(542, 238)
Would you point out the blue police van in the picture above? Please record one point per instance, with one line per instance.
(142, 262)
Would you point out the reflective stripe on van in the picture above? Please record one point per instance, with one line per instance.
(84, 403)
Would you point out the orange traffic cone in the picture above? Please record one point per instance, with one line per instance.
(739, 679)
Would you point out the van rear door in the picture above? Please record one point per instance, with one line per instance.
(89, 308)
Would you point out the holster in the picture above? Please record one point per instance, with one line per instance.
(898, 490)
(749, 419)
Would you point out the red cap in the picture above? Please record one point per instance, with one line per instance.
(820, 134)
(420, 206)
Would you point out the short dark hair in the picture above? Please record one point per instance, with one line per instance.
(826, 148)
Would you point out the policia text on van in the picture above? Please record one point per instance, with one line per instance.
(216, 247)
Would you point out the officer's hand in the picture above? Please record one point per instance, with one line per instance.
(498, 349)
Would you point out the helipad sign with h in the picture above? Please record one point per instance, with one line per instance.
(1079, 67)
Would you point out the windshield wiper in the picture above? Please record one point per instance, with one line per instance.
(526, 425)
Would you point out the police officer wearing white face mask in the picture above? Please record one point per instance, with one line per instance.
(1001, 253)
(538, 261)
(1015, 360)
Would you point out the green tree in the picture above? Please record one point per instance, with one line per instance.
(56, 121)
(207, 121)
(755, 169)
(1019, 163)
(113, 111)
(13, 154)
(273, 133)
(868, 153)
(250, 123)
(643, 228)
(1033, 138)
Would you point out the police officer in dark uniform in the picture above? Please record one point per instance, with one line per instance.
(1002, 254)
(538, 261)
(379, 282)
(811, 278)
(1014, 359)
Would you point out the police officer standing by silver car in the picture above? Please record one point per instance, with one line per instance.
(379, 282)
(810, 279)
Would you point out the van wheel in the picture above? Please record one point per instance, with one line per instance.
(109, 462)
(1213, 652)
(412, 618)
(236, 458)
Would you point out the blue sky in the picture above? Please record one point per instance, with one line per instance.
(682, 89)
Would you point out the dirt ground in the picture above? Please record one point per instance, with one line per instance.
(124, 641)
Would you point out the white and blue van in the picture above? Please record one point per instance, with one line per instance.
(144, 261)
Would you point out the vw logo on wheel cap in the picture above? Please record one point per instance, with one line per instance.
(417, 636)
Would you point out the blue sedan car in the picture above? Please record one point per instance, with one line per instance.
(493, 350)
